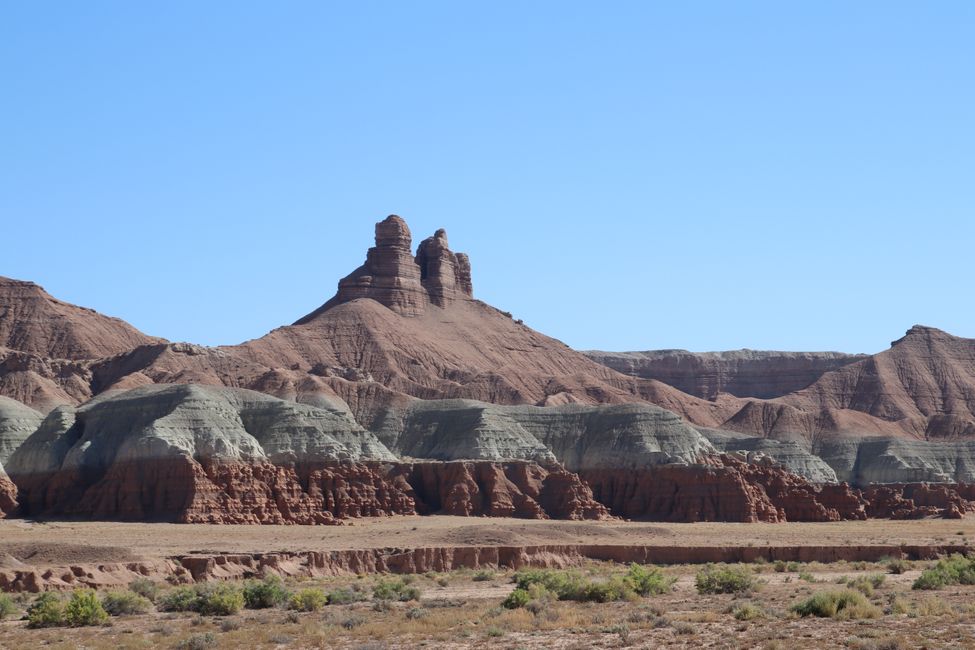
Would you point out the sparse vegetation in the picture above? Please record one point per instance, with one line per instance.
(146, 588)
(845, 604)
(308, 600)
(725, 580)
(746, 612)
(262, 594)
(8, 608)
(898, 566)
(954, 570)
(395, 590)
(212, 600)
(122, 603)
(47, 610)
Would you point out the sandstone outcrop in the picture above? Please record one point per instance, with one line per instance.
(723, 489)
(743, 373)
(919, 500)
(396, 279)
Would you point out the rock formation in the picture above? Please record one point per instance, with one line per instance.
(743, 373)
(17, 422)
(396, 279)
(32, 321)
(8, 494)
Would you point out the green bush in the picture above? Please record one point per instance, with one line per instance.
(725, 580)
(517, 598)
(395, 590)
(220, 600)
(344, 596)
(119, 603)
(844, 604)
(308, 600)
(210, 600)
(145, 587)
(565, 585)
(648, 581)
(262, 594)
(954, 570)
(7, 606)
(47, 610)
(84, 608)
(180, 599)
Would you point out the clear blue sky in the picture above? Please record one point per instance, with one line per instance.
(706, 175)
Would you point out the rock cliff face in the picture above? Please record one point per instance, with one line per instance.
(744, 373)
(725, 489)
(862, 461)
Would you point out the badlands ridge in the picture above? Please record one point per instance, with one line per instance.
(404, 394)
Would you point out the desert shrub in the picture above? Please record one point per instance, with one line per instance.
(145, 588)
(84, 608)
(120, 603)
(180, 599)
(230, 624)
(898, 566)
(219, 600)
(866, 584)
(415, 613)
(746, 612)
(517, 598)
(483, 576)
(353, 622)
(308, 600)
(724, 580)
(648, 580)
(262, 594)
(954, 570)
(395, 590)
(7, 606)
(47, 610)
(842, 604)
(344, 596)
(198, 642)
(932, 606)
(682, 627)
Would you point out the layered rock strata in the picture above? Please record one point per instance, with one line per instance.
(8, 494)
(743, 373)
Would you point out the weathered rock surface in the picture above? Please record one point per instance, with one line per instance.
(725, 489)
(744, 373)
(862, 461)
(17, 422)
(919, 500)
(8, 494)
(787, 453)
(34, 322)
(577, 436)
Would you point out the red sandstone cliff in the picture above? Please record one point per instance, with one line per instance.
(184, 490)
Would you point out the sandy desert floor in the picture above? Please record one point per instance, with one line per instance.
(73, 542)
(462, 609)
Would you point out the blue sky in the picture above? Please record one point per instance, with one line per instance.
(705, 175)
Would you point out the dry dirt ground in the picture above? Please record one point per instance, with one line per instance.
(76, 542)
(462, 609)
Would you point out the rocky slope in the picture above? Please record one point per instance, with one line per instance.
(32, 321)
(744, 373)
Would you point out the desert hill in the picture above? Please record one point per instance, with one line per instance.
(405, 326)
